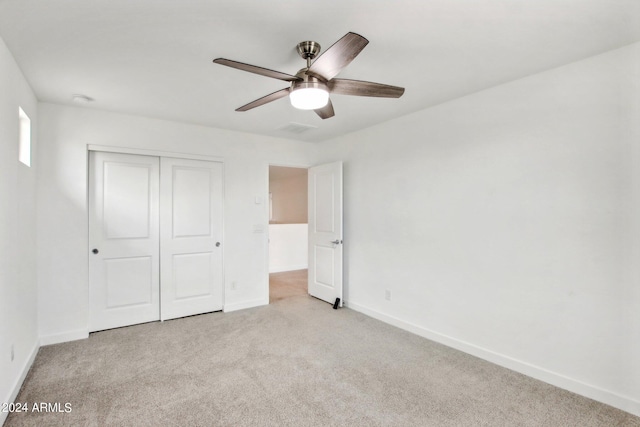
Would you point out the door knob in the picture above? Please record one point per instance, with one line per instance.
(95, 251)
(337, 242)
(217, 244)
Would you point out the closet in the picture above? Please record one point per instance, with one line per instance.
(155, 238)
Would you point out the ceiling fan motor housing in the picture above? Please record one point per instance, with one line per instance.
(307, 81)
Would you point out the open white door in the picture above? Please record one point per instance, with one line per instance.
(123, 240)
(325, 232)
(191, 237)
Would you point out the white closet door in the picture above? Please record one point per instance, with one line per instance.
(191, 237)
(123, 240)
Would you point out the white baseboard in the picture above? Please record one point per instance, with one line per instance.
(79, 334)
(280, 269)
(245, 304)
(608, 397)
(18, 383)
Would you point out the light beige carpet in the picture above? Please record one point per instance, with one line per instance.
(296, 362)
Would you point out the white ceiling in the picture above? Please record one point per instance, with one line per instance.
(154, 57)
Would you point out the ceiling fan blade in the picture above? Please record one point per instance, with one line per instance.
(265, 99)
(256, 70)
(338, 56)
(326, 111)
(360, 88)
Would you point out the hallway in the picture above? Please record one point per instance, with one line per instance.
(287, 284)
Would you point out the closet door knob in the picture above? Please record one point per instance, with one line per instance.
(217, 244)
(95, 251)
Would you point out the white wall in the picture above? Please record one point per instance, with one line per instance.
(62, 196)
(18, 296)
(506, 223)
(288, 247)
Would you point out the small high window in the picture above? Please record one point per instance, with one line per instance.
(24, 137)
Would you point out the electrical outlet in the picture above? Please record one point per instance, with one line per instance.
(387, 294)
(234, 285)
(12, 353)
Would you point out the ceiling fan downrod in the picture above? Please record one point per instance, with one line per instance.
(308, 50)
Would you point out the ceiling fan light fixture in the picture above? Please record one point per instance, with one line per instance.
(309, 89)
(309, 95)
(309, 98)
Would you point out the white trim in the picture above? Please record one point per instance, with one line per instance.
(245, 304)
(291, 165)
(223, 236)
(155, 153)
(265, 278)
(625, 403)
(79, 334)
(18, 384)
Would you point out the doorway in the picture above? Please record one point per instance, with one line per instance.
(288, 232)
(155, 229)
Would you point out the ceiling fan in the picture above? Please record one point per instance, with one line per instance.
(310, 87)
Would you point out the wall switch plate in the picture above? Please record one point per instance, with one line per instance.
(258, 228)
(387, 294)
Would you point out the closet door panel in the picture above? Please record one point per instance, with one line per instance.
(124, 256)
(191, 237)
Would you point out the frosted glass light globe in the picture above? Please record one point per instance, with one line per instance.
(309, 98)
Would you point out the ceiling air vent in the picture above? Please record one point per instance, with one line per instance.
(296, 128)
